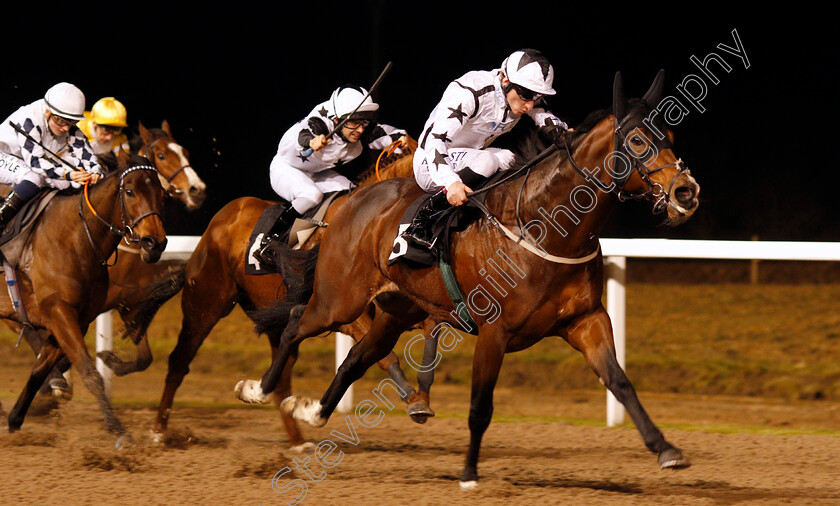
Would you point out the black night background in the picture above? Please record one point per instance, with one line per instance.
(231, 81)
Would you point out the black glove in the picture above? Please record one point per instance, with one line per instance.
(552, 134)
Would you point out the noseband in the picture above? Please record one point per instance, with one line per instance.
(128, 226)
(659, 197)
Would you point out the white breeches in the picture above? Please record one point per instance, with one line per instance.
(303, 189)
(485, 162)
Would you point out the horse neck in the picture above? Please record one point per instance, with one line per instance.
(571, 209)
(104, 198)
(401, 167)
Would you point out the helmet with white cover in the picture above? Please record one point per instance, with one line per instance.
(346, 98)
(531, 70)
(66, 100)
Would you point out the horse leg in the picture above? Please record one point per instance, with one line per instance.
(592, 336)
(379, 341)
(487, 361)
(420, 404)
(204, 302)
(141, 362)
(71, 340)
(283, 390)
(46, 359)
(56, 383)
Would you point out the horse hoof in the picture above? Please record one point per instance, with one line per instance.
(468, 485)
(303, 409)
(307, 447)
(419, 411)
(61, 389)
(157, 437)
(250, 391)
(123, 442)
(673, 459)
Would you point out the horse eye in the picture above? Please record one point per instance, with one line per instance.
(161, 156)
(636, 141)
(129, 192)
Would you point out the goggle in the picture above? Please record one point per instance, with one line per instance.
(62, 122)
(526, 94)
(355, 124)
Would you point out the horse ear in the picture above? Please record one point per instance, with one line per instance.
(619, 104)
(123, 159)
(165, 127)
(654, 94)
(144, 133)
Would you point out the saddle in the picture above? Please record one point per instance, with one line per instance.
(14, 236)
(298, 233)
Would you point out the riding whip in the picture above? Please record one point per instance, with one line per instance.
(347, 117)
(19, 130)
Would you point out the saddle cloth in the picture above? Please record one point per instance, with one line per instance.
(299, 232)
(446, 222)
(14, 236)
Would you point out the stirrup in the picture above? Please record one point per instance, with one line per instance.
(419, 241)
(265, 244)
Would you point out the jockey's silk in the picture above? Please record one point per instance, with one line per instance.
(472, 113)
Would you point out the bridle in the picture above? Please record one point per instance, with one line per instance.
(128, 224)
(150, 154)
(655, 192)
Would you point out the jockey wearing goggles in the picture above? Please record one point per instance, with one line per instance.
(103, 126)
(454, 154)
(303, 169)
(48, 125)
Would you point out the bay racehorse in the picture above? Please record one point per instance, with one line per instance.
(138, 289)
(216, 282)
(63, 274)
(551, 288)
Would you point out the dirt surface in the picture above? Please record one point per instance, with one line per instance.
(547, 443)
(531, 455)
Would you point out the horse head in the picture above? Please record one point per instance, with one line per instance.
(141, 197)
(643, 155)
(172, 162)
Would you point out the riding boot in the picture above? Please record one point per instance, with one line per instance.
(271, 238)
(419, 231)
(9, 208)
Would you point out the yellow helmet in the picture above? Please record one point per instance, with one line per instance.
(109, 111)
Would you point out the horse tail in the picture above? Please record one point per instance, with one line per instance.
(138, 317)
(298, 270)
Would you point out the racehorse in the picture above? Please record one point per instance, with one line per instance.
(552, 287)
(138, 289)
(216, 282)
(64, 278)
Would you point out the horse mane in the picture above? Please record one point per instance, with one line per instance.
(390, 166)
(110, 164)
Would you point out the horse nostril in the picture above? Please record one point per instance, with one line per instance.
(148, 243)
(685, 194)
(195, 191)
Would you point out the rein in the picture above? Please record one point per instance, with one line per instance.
(127, 230)
(655, 192)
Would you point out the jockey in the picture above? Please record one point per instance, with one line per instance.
(453, 154)
(103, 126)
(49, 124)
(302, 170)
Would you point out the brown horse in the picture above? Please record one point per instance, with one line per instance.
(216, 282)
(552, 289)
(138, 289)
(63, 275)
